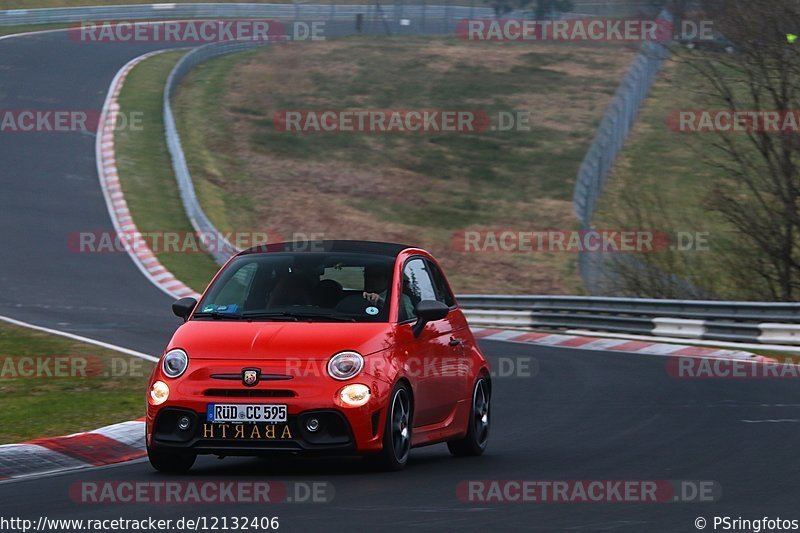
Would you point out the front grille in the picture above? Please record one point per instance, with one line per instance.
(261, 377)
(250, 393)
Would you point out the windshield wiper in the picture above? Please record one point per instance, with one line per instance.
(297, 316)
(270, 316)
(337, 318)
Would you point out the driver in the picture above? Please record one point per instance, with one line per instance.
(376, 285)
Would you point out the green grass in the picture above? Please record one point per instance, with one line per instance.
(8, 30)
(50, 406)
(145, 169)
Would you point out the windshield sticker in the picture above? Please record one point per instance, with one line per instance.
(228, 309)
(371, 310)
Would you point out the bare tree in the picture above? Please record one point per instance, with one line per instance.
(759, 187)
(668, 269)
(756, 188)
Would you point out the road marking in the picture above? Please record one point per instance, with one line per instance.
(87, 340)
(36, 32)
(773, 421)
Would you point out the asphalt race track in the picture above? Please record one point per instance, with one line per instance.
(50, 190)
(581, 416)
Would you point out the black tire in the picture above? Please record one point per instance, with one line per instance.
(171, 462)
(396, 431)
(477, 437)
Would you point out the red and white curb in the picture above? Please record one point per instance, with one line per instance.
(600, 344)
(108, 445)
(126, 229)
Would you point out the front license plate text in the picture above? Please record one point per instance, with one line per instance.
(246, 431)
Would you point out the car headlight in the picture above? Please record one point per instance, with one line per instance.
(175, 363)
(345, 365)
(159, 393)
(354, 395)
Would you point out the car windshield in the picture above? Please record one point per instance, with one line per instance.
(321, 287)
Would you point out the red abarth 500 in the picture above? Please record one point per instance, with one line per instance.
(332, 346)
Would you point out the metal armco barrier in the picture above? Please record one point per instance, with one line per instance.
(751, 322)
(200, 222)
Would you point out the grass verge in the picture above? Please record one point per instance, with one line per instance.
(402, 187)
(98, 387)
(145, 169)
(9, 30)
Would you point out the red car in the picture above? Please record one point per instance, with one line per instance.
(335, 347)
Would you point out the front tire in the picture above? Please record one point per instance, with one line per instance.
(396, 431)
(170, 462)
(477, 437)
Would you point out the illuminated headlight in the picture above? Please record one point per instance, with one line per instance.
(175, 363)
(354, 395)
(345, 365)
(159, 393)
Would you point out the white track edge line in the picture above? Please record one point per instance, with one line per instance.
(87, 340)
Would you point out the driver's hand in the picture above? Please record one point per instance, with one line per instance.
(373, 298)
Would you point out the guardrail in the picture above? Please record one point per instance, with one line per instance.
(751, 322)
(200, 221)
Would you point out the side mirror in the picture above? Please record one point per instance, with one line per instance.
(428, 311)
(184, 307)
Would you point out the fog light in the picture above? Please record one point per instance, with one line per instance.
(312, 424)
(159, 393)
(184, 423)
(354, 395)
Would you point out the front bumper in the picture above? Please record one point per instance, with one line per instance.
(305, 391)
(335, 434)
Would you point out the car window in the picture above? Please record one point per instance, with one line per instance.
(350, 278)
(417, 286)
(321, 286)
(443, 293)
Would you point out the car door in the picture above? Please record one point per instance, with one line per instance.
(459, 371)
(430, 360)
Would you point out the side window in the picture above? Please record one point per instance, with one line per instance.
(442, 290)
(417, 286)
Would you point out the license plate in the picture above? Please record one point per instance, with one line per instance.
(226, 412)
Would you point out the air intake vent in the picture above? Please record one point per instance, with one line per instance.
(249, 393)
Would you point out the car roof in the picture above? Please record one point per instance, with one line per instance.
(389, 249)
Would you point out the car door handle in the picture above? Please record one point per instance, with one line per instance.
(455, 342)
